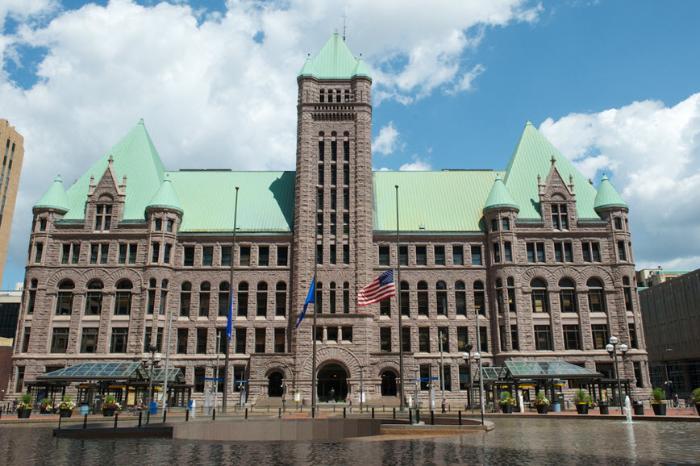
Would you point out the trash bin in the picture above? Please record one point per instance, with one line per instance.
(153, 407)
(84, 409)
(557, 403)
(638, 408)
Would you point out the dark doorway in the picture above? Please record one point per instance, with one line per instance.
(274, 384)
(389, 383)
(332, 383)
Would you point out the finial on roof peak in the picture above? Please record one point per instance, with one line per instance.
(605, 177)
(58, 179)
(553, 160)
(141, 121)
(110, 160)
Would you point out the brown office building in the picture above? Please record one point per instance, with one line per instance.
(534, 259)
(12, 147)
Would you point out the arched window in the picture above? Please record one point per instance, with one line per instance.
(243, 299)
(596, 295)
(31, 299)
(627, 290)
(281, 299)
(185, 299)
(567, 295)
(422, 298)
(93, 298)
(499, 295)
(479, 298)
(441, 297)
(318, 304)
(321, 147)
(331, 298)
(405, 299)
(204, 298)
(64, 301)
(122, 301)
(224, 290)
(540, 302)
(346, 298)
(510, 282)
(346, 147)
(460, 298)
(261, 300)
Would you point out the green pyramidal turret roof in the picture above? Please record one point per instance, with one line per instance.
(135, 157)
(607, 196)
(334, 61)
(165, 198)
(54, 198)
(499, 197)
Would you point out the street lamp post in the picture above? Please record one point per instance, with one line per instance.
(612, 348)
(441, 339)
(468, 359)
(152, 349)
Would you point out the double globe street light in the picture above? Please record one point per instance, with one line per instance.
(612, 348)
(476, 357)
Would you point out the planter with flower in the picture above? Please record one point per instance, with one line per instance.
(507, 402)
(110, 406)
(46, 406)
(582, 400)
(24, 407)
(65, 408)
(696, 399)
(542, 403)
(657, 401)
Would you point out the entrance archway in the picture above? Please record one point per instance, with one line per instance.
(274, 384)
(332, 383)
(389, 383)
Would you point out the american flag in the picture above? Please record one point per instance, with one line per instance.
(381, 288)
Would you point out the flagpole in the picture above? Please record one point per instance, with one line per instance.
(313, 340)
(224, 402)
(402, 398)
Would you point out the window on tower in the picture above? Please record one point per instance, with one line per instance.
(322, 96)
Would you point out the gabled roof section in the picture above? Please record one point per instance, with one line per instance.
(334, 61)
(432, 201)
(135, 157)
(499, 197)
(607, 196)
(532, 157)
(54, 198)
(165, 198)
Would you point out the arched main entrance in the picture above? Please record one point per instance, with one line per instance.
(389, 383)
(332, 383)
(274, 384)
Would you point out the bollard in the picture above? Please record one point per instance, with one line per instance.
(432, 417)
(344, 414)
(246, 413)
(279, 413)
(213, 414)
(140, 416)
(116, 417)
(372, 412)
(393, 413)
(85, 422)
(383, 409)
(333, 408)
(410, 416)
(417, 416)
(313, 412)
(459, 416)
(165, 415)
(59, 421)
(187, 415)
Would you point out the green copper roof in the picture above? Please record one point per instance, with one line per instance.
(134, 157)
(444, 201)
(165, 198)
(54, 198)
(265, 200)
(334, 61)
(532, 157)
(499, 197)
(607, 196)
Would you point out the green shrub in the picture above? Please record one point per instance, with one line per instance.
(507, 399)
(696, 395)
(581, 397)
(658, 395)
(542, 400)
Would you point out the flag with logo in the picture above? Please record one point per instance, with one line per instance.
(310, 298)
(379, 289)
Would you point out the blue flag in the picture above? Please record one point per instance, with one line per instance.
(310, 298)
(229, 320)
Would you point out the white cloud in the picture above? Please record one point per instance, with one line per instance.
(418, 164)
(387, 140)
(465, 83)
(653, 150)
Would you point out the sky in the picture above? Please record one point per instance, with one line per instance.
(613, 84)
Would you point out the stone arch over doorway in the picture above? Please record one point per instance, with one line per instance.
(332, 382)
(343, 356)
(389, 379)
(274, 384)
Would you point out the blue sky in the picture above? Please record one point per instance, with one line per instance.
(614, 84)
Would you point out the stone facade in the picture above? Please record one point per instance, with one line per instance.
(449, 277)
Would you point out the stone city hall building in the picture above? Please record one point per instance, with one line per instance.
(534, 258)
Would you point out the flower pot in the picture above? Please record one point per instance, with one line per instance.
(582, 408)
(659, 409)
(23, 413)
(107, 412)
(45, 410)
(638, 407)
(66, 412)
(507, 409)
(603, 407)
(542, 409)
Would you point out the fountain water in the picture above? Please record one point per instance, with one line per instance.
(628, 410)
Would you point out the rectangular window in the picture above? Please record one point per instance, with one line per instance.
(282, 256)
(421, 255)
(59, 340)
(331, 333)
(244, 256)
(633, 336)
(167, 251)
(385, 307)
(120, 338)
(424, 371)
(346, 198)
(202, 341)
(535, 252)
(123, 248)
(447, 377)
(621, 251)
(170, 225)
(346, 333)
(543, 338)
(42, 224)
(88, 342)
(439, 255)
(133, 249)
(38, 252)
(444, 338)
(572, 337)
(502, 337)
(476, 255)
(239, 346)
(104, 253)
(385, 339)
(505, 224)
(618, 223)
(182, 336)
(208, 256)
(424, 339)
(25, 339)
(507, 251)
(496, 252)
(560, 217)
(319, 254)
(333, 255)
(462, 338)
(484, 339)
(263, 256)
(514, 342)
(638, 374)
(199, 375)
(457, 254)
(259, 340)
(494, 224)
(563, 251)
(75, 253)
(65, 253)
(226, 256)
(221, 340)
(19, 384)
(403, 255)
(188, 257)
(103, 217)
(464, 377)
(346, 254)
(384, 255)
(406, 339)
(600, 336)
(279, 340)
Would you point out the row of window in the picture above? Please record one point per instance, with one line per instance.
(245, 258)
(335, 95)
(572, 337)
(568, 300)
(420, 252)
